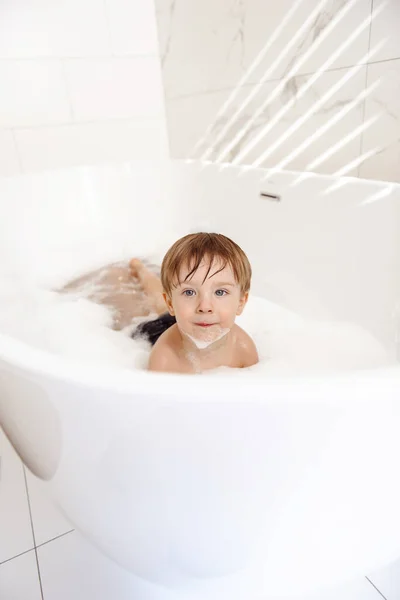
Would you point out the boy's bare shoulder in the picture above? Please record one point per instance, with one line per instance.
(247, 350)
(164, 355)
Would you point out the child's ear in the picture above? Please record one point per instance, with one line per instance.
(168, 302)
(242, 303)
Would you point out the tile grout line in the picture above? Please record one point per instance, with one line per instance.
(274, 80)
(67, 90)
(364, 106)
(57, 537)
(33, 533)
(137, 117)
(16, 556)
(38, 546)
(374, 586)
(110, 37)
(18, 153)
(109, 56)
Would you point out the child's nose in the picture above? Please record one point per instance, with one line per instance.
(204, 305)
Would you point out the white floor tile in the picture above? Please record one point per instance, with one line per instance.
(19, 579)
(15, 525)
(71, 568)
(48, 521)
(355, 590)
(387, 581)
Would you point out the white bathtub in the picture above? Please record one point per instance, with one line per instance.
(216, 487)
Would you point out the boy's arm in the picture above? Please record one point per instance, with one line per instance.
(163, 359)
(249, 351)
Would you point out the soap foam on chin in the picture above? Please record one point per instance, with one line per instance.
(203, 344)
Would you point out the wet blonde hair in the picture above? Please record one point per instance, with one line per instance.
(189, 252)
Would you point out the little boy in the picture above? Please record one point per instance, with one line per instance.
(205, 282)
(204, 285)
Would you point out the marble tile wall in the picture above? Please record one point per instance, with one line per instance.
(80, 83)
(208, 50)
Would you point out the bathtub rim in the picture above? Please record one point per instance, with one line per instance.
(152, 164)
(35, 361)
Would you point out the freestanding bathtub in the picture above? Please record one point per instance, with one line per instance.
(216, 487)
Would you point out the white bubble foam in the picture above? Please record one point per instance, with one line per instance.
(80, 329)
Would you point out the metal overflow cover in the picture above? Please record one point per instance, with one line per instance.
(272, 197)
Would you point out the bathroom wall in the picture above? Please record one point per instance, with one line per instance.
(207, 47)
(80, 83)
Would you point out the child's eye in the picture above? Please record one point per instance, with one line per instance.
(221, 292)
(188, 293)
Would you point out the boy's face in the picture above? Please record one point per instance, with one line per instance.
(206, 309)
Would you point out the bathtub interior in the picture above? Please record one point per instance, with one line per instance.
(321, 251)
(326, 256)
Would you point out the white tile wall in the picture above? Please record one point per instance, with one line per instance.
(33, 92)
(385, 134)
(386, 27)
(90, 143)
(133, 27)
(69, 70)
(44, 28)
(187, 131)
(207, 48)
(9, 164)
(210, 45)
(109, 88)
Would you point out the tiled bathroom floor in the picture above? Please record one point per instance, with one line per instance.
(42, 557)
